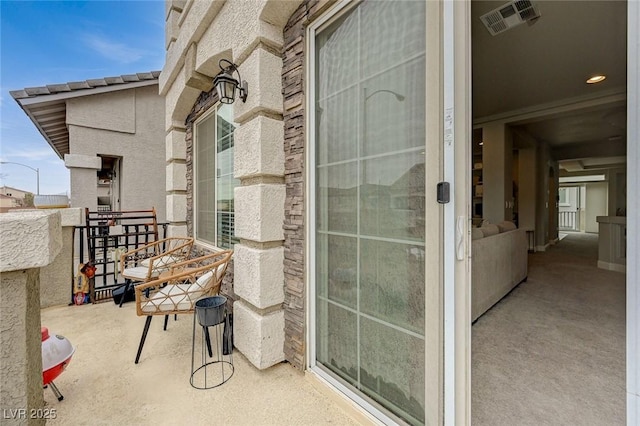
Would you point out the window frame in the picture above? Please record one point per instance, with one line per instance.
(210, 113)
(372, 407)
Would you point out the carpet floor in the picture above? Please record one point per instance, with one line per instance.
(552, 352)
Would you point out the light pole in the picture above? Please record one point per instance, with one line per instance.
(29, 167)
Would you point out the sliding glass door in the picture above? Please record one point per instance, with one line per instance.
(369, 209)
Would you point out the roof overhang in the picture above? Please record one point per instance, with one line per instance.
(47, 106)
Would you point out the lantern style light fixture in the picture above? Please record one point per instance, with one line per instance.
(226, 85)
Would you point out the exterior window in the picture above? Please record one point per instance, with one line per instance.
(563, 197)
(368, 175)
(214, 182)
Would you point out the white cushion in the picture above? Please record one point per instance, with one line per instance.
(169, 298)
(201, 284)
(178, 296)
(476, 233)
(162, 262)
(138, 273)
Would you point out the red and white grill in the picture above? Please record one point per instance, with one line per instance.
(56, 355)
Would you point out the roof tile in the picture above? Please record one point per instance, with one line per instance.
(82, 85)
(57, 88)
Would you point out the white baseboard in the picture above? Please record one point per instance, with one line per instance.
(542, 248)
(612, 266)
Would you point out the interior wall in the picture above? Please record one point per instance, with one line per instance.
(595, 204)
(496, 172)
(633, 203)
(553, 202)
(542, 196)
(527, 184)
(617, 205)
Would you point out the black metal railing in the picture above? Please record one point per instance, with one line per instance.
(107, 235)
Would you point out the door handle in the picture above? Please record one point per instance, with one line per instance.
(460, 225)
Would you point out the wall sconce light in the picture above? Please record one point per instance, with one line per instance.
(226, 85)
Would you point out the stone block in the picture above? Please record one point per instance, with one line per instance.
(176, 177)
(175, 145)
(192, 77)
(55, 277)
(259, 212)
(177, 231)
(260, 338)
(263, 72)
(258, 148)
(29, 239)
(177, 208)
(71, 216)
(82, 161)
(259, 277)
(171, 27)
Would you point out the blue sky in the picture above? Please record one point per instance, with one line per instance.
(48, 42)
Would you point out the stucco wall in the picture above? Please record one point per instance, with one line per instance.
(197, 37)
(21, 371)
(56, 278)
(30, 240)
(127, 124)
(596, 204)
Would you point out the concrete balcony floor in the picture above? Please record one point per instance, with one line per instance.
(102, 385)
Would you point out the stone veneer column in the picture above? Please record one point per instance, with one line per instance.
(293, 75)
(30, 240)
(259, 210)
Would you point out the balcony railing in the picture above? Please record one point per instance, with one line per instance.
(567, 221)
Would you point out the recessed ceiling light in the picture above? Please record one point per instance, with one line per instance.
(596, 79)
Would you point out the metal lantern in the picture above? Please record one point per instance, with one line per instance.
(226, 85)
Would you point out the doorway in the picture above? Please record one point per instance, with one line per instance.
(509, 91)
(569, 208)
(108, 190)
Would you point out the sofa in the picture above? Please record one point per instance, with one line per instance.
(498, 264)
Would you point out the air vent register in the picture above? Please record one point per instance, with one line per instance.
(509, 15)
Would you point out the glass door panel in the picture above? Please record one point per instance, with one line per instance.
(369, 208)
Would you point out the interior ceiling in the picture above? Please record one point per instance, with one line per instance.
(540, 65)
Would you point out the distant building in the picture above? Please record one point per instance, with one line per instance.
(13, 192)
(8, 202)
(12, 198)
(110, 133)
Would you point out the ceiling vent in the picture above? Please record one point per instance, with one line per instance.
(509, 15)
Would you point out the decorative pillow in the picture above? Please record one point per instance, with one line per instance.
(506, 226)
(488, 230)
(476, 233)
